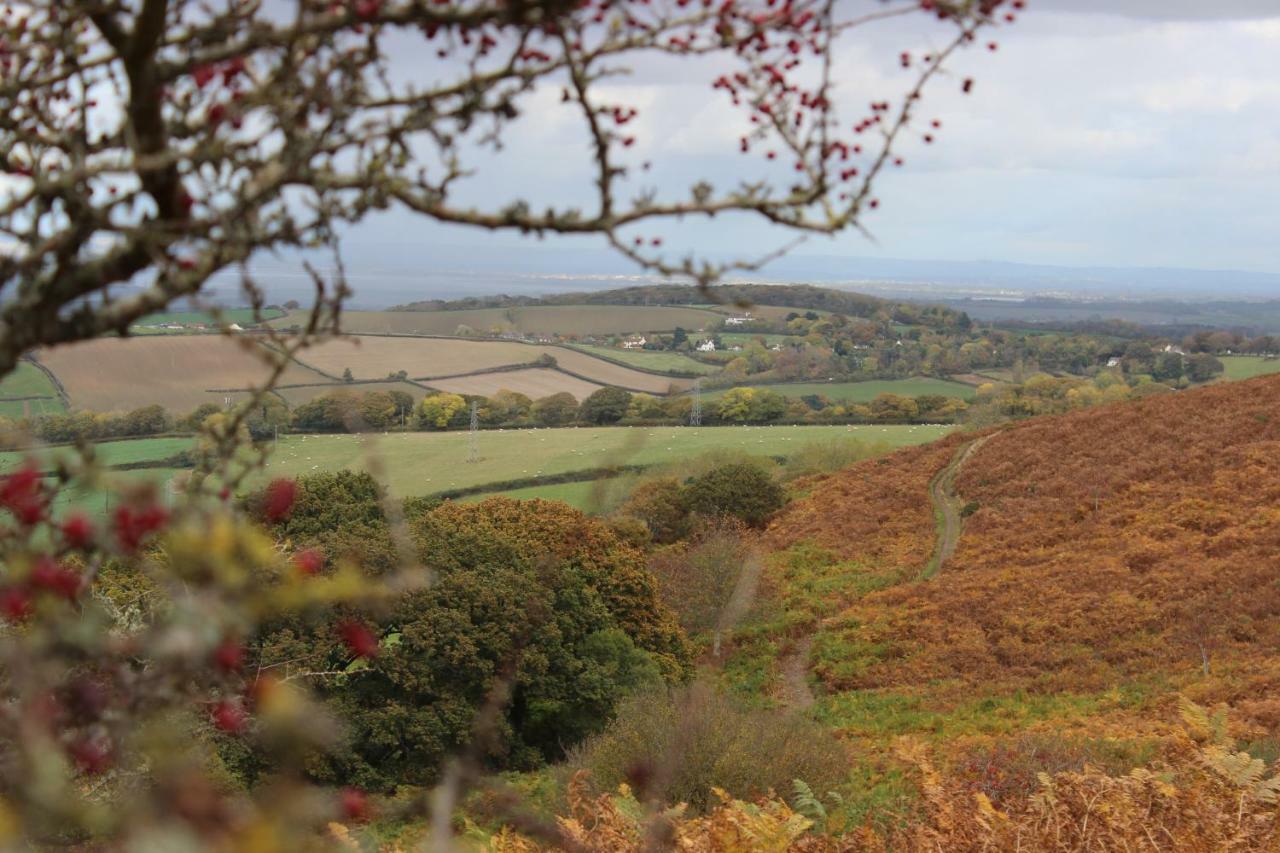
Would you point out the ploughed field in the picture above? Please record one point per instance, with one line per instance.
(179, 372)
(430, 359)
(533, 320)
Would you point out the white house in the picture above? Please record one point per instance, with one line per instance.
(738, 321)
(1114, 361)
(634, 343)
(1172, 350)
(707, 346)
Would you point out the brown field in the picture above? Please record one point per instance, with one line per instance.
(607, 373)
(176, 371)
(537, 319)
(371, 357)
(535, 382)
(375, 357)
(302, 394)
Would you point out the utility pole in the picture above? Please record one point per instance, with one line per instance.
(474, 455)
(695, 411)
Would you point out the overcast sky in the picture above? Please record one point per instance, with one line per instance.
(1102, 132)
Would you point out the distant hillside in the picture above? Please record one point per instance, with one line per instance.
(803, 296)
(1125, 548)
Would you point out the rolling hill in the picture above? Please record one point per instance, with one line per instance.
(1110, 560)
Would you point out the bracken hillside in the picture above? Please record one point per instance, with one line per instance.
(1117, 556)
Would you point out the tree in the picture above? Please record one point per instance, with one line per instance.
(532, 592)
(347, 376)
(1202, 367)
(606, 406)
(440, 411)
(742, 490)
(555, 410)
(663, 506)
(222, 117)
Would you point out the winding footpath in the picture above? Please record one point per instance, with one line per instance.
(794, 690)
(948, 507)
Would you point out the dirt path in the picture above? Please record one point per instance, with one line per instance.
(794, 691)
(948, 507)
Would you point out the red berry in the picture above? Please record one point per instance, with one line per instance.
(20, 493)
(229, 656)
(52, 577)
(203, 74)
(358, 639)
(367, 9)
(308, 562)
(135, 524)
(277, 500)
(15, 603)
(77, 531)
(92, 755)
(229, 716)
(354, 804)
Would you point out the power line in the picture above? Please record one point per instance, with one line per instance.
(695, 411)
(474, 455)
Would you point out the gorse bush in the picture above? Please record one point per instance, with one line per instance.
(678, 745)
(743, 490)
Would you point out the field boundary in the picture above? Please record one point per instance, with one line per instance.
(57, 383)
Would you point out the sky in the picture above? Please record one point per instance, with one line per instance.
(1125, 133)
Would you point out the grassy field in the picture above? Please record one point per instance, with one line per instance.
(1248, 366)
(176, 371)
(27, 380)
(108, 452)
(742, 339)
(17, 409)
(424, 463)
(865, 392)
(535, 320)
(243, 316)
(651, 359)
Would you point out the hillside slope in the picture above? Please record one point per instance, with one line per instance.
(1130, 548)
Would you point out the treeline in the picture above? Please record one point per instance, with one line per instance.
(802, 296)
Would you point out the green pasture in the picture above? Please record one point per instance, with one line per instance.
(666, 362)
(1248, 366)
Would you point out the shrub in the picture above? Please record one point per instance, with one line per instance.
(742, 490)
(697, 579)
(663, 506)
(677, 745)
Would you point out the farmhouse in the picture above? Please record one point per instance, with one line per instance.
(1114, 361)
(634, 342)
(707, 346)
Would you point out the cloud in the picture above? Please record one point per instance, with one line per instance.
(1163, 10)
